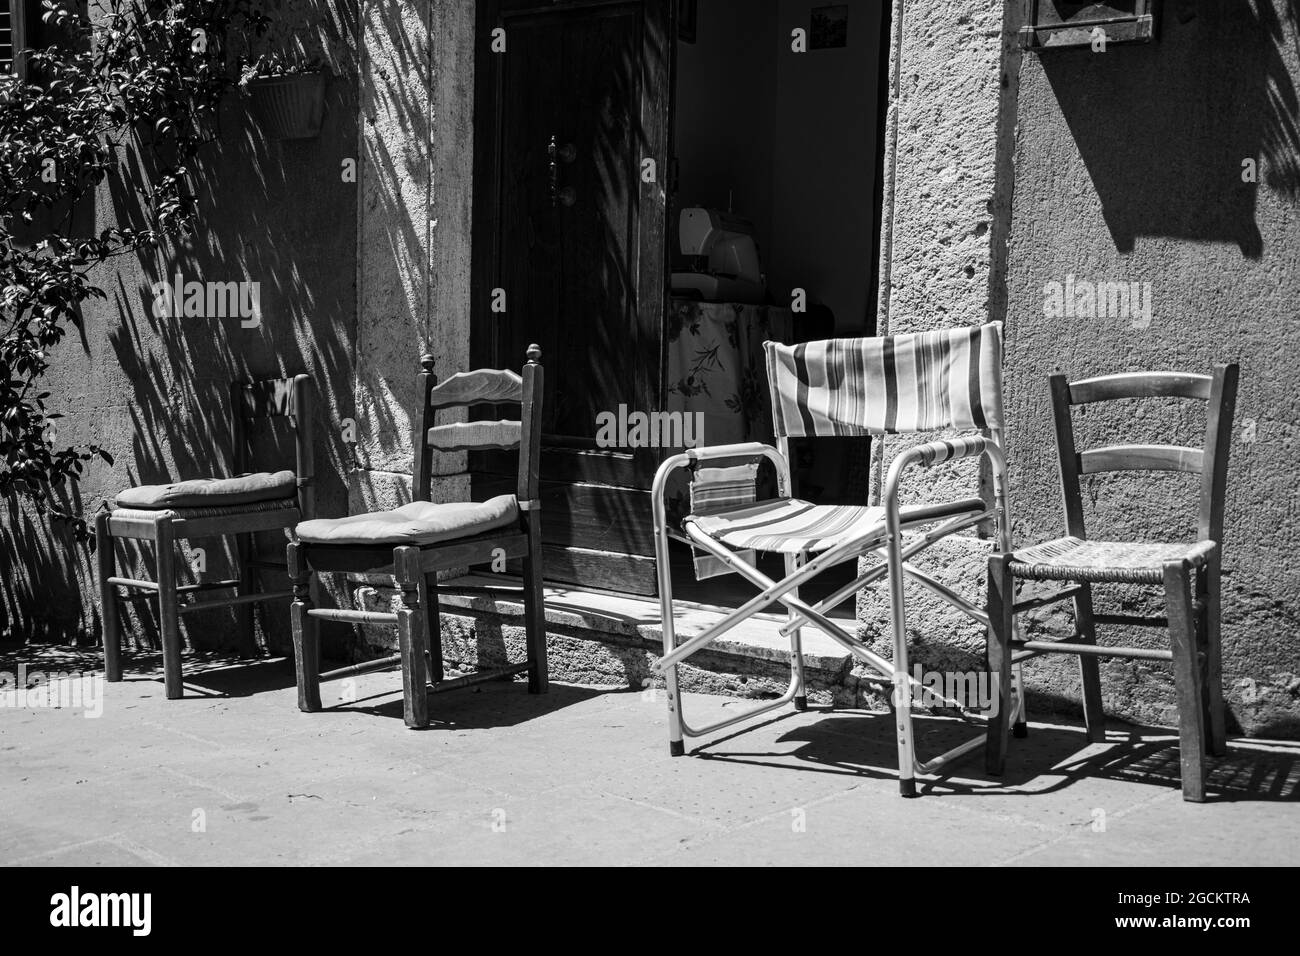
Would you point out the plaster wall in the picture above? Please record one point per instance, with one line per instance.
(154, 391)
(1129, 167)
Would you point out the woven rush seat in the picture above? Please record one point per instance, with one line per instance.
(794, 526)
(248, 489)
(1076, 559)
(418, 523)
(153, 514)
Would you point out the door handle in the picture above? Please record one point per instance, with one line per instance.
(555, 154)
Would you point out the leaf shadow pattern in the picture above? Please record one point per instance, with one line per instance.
(154, 390)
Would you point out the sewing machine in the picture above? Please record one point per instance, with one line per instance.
(731, 272)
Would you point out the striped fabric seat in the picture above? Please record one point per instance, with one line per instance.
(720, 489)
(920, 382)
(794, 526)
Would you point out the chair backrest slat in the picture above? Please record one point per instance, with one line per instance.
(1140, 385)
(480, 386)
(278, 398)
(267, 399)
(919, 382)
(1218, 391)
(1141, 458)
(475, 436)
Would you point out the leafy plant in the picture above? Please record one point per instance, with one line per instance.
(276, 63)
(130, 91)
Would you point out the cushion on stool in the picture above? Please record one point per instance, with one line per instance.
(420, 522)
(211, 492)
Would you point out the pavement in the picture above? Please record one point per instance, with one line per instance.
(235, 774)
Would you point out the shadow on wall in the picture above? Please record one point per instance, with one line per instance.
(1164, 129)
(154, 390)
(390, 96)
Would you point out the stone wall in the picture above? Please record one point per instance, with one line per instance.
(1129, 167)
(1008, 172)
(154, 392)
(944, 207)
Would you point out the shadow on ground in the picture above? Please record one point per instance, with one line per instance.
(849, 743)
(1051, 759)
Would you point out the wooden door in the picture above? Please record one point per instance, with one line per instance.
(571, 154)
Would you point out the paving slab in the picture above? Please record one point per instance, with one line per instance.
(235, 774)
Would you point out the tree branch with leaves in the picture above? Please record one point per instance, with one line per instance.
(120, 81)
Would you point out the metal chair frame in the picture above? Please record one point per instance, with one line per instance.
(885, 540)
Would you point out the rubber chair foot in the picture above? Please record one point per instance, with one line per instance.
(1020, 730)
(676, 748)
(907, 787)
(801, 703)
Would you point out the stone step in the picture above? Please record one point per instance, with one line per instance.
(619, 617)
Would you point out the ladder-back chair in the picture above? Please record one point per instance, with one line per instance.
(415, 541)
(1189, 573)
(209, 507)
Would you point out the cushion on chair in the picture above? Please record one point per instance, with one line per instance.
(420, 522)
(1074, 559)
(792, 526)
(211, 492)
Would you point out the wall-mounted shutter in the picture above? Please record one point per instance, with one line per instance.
(6, 36)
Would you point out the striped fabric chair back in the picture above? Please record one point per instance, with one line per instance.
(919, 382)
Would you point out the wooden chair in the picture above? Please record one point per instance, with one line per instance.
(209, 507)
(1192, 614)
(412, 543)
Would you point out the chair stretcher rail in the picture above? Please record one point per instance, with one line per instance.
(235, 601)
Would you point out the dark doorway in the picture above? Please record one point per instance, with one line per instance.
(571, 158)
(709, 97)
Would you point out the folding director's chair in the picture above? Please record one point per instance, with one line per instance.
(922, 382)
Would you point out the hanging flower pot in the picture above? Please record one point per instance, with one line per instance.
(290, 106)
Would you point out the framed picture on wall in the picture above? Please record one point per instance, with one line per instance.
(686, 11)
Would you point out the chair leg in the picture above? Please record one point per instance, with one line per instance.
(106, 567)
(792, 563)
(1187, 680)
(306, 634)
(1089, 667)
(411, 637)
(433, 627)
(244, 619)
(902, 691)
(1020, 727)
(168, 612)
(1209, 583)
(1001, 609)
(676, 724)
(535, 612)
